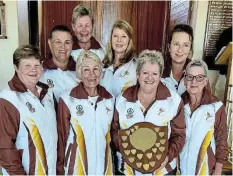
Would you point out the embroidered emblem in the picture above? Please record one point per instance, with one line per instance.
(108, 111)
(161, 110)
(50, 83)
(129, 113)
(31, 109)
(79, 110)
(90, 103)
(126, 72)
(208, 116)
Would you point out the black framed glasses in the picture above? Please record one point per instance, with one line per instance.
(199, 78)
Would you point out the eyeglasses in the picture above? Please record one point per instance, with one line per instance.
(199, 78)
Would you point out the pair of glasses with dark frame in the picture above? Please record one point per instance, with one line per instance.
(199, 78)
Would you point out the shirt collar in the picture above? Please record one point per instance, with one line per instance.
(207, 97)
(131, 94)
(17, 85)
(48, 64)
(79, 92)
(94, 43)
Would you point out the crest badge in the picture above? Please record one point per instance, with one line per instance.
(208, 116)
(108, 111)
(79, 110)
(31, 109)
(129, 113)
(50, 83)
(161, 110)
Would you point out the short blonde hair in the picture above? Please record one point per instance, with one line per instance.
(151, 56)
(82, 10)
(87, 55)
(130, 51)
(25, 52)
(198, 63)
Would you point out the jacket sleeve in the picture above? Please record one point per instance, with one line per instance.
(220, 134)
(63, 126)
(115, 128)
(10, 156)
(177, 137)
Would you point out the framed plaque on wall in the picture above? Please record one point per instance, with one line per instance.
(219, 18)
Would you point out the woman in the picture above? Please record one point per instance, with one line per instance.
(152, 103)
(82, 25)
(206, 130)
(84, 120)
(119, 63)
(28, 133)
(180, 48)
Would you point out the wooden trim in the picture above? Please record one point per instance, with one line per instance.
(3, 22)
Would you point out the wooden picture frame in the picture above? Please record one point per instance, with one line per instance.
(2, 21)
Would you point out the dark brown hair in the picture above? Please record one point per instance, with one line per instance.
(178, 28)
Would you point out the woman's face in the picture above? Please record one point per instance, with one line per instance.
(180, 47)
(120, 41)
(83, 29)
(195, 80)
(149, 77)
(29, 71)
(90, 73)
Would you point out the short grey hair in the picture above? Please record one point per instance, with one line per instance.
(198, 63)
(151, 56)
(87, 55)
(82, 10)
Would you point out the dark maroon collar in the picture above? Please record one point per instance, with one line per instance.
(131, 94)
(48, 64)
(207, 97)
(16, 85)
(94, 43)
(80, 93)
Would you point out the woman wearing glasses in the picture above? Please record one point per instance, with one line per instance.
(206, 137)
(180, 47)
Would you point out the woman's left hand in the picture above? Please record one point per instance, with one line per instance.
(164, 163)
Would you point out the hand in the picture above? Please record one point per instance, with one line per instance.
(164, 163)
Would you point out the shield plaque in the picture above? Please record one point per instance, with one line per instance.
(144, 146)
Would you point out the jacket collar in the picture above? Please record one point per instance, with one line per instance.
(79, 92)
(94, 43)
(48, 64)
(207, 97)
(16, 85)
(131, 94)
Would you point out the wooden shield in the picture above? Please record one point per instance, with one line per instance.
(144, 146)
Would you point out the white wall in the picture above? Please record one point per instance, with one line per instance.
(8, 46)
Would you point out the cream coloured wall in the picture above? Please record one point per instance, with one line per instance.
(198, 22)
(7, 46)
(23, 27)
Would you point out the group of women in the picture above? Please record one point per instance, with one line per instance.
(136, 114)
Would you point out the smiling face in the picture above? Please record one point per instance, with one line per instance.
(180, 47)
(193, 86)
(149, 77)
(83, 28)
(120, 41)
(90, 73)
(29, 71)
(61, 46)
